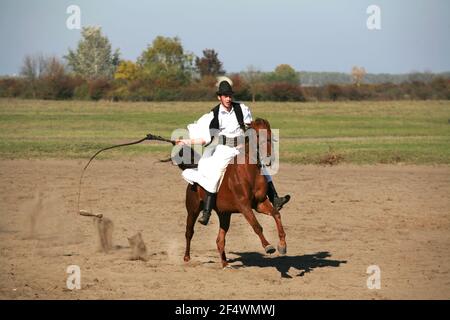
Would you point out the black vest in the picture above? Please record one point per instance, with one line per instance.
(237, 111)
(215, 121)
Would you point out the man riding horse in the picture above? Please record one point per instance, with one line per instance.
(228, 120)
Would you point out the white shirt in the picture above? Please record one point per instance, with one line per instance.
(228, 123)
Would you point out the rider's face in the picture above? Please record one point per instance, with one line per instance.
(225, 100)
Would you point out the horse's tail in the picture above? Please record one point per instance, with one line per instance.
(191, 164)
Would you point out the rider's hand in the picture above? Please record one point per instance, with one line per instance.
(182, 142)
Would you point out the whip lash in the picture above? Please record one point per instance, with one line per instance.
(148, 137)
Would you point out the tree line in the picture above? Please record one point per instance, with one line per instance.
(165, 71)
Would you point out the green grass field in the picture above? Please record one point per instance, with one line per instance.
(357, 132)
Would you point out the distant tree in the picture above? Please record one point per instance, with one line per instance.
(283, 91)
(285, 73)
(56, 83)
(11, 87)
(209, 64)
(415, 76)
(33, 66)
(32, 69)
(93, 57)
(54, 67)
(441, 87)
(46, 78)
(98, 88)
(333, 91)
(358, 74)
(165, 63)
(254, 79)
(127, 70)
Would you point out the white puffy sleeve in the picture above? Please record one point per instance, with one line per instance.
(246, 113)
(200, 128)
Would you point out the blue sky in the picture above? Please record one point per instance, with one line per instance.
(311, 35)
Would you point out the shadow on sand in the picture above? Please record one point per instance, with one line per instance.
(305, 263)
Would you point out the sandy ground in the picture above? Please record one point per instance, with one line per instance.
(340, 221)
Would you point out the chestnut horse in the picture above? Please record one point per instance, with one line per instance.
(243, 189)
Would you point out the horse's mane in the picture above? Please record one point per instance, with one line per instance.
(260, 123)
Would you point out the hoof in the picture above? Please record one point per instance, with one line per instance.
(282, 250)
(228, 267)
(187, 258)
(269, 249)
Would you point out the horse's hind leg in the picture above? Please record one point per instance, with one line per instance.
(266, 207)
(193, 210)
(224, 219)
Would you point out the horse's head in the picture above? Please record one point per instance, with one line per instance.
(263, 139)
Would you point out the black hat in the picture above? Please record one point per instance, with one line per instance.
(225, 89)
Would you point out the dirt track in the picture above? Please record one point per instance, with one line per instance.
(340, 221)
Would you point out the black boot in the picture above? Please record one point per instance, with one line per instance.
(277, 202)
(208, 204)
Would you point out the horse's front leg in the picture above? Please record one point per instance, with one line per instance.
(224, 219)
(247, 211)
(266, 207)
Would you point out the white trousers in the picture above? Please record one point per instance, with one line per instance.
(211, 166)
